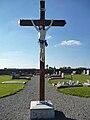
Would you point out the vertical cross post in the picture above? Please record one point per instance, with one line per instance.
(42, 63)
(42, 10)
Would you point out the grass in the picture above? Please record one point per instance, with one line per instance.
(9, 89)
(81, 78)
(4, 78)
(75, 91)
(57, 80)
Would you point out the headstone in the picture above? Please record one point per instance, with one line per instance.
(87, 72)
(56, 73)
(62, 75)
(59, 72)
(74, 72)
(84, 72)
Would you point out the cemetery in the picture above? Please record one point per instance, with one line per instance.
(21, 76)
(29, 96)
(65, 104)
(9, 86)
(69, 83)
(56, 76)
(78, 81)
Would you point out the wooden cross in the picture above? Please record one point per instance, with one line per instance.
(42, 22)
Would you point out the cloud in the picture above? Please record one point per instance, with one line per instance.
(49, 37)
(13, 52)
(69, 43)
(3, 59)
(10, 55)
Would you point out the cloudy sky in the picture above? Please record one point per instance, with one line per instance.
(68, 45)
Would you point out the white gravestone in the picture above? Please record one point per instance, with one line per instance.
(87, 72)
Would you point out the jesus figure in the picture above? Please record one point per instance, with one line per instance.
(42, 32)
(42, 38)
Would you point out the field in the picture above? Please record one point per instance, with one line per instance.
(75, 91)
(9, 89)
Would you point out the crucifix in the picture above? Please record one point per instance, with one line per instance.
(43, 23)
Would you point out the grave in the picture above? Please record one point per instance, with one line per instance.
(56, 76)
(88, 72)
(84, 72)
(13, 82)
(87, 84)
(68, 84)
(41, 108)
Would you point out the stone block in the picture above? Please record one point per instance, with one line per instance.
(41, 110)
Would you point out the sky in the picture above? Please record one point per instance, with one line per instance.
(67, 46)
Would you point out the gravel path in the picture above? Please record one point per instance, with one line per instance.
(16, 107)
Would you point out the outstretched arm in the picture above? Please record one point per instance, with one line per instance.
(49, 25)
(34, 25)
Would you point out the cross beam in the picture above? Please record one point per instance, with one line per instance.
(57, 23)
(42, 22)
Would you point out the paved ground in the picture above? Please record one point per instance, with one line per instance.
(16, 107)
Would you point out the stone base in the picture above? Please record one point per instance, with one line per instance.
(41, 109)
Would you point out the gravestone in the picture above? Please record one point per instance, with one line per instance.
(88, 72)
(62, 75)
(84, 72)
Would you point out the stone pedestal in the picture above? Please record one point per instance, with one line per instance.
(41, 109)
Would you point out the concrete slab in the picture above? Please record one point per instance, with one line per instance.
(12, 82)
(41, 109)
